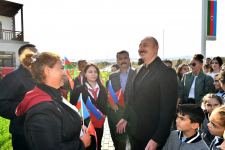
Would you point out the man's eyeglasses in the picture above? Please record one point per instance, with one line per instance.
(192, 64)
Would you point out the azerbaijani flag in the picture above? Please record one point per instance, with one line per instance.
(67, 64)
(113, 99)
(120, 96)
(68, 67)
(70, 79)
(82, 108)
(97, 113)
(211, 18)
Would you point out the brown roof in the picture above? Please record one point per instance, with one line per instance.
(9, 9)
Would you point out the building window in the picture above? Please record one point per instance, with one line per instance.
(1, 32)
(7, 59)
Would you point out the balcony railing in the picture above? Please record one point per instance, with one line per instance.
(11, 35)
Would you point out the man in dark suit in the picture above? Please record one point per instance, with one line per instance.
(152, 102)
(13, 88)
(121, 80)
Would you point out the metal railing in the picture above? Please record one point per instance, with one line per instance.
(11, 35)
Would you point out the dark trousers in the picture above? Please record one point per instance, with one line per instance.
(99, 132)
(119, 140)
(191, 101)
(139, 144)
(19, 142)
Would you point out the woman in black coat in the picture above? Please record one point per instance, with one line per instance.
(50, 121)
(94, 89)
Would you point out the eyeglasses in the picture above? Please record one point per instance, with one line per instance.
(192, 64)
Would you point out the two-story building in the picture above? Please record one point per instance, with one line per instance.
(11, 33)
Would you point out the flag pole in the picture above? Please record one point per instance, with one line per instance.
(203, 36)
(82, 107)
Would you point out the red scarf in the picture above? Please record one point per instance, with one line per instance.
(94, 92)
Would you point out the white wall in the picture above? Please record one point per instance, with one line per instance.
(12, 46)
(7, 22)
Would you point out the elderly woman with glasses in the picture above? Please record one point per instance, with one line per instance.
(196, 83)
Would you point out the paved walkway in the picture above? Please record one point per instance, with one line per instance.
(107, 143)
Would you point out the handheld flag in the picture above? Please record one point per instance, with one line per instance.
(91, 131)
(82, 108)
(112, 93)
(120, 96)
(97, 113)
(67, 64)
(70, 79)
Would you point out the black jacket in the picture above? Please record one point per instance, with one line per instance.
(13, 87)
(50, 125)
(152, 104)
(100, 103)
(115, 116)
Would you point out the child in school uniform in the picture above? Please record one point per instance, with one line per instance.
(187, 136)
(216, 127)
(210, 102)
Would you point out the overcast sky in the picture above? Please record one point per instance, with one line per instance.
(97, 29)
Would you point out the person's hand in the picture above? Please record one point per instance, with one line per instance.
(84, 129)
(152, 145)
(222, 146)
(86, 139)
(114, 107)
(121, 126)
(224, 134)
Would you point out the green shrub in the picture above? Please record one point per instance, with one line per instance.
(5, 136)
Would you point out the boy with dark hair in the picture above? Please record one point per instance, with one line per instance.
(187, 136)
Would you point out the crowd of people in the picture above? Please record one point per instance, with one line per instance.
(156, 106)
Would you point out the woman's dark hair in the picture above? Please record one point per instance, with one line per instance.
(98, 71)
(198, 57)
(40, 62)
(179, 69)
(218, 59)
(208, 66)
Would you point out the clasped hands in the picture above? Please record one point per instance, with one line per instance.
(121, 128)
